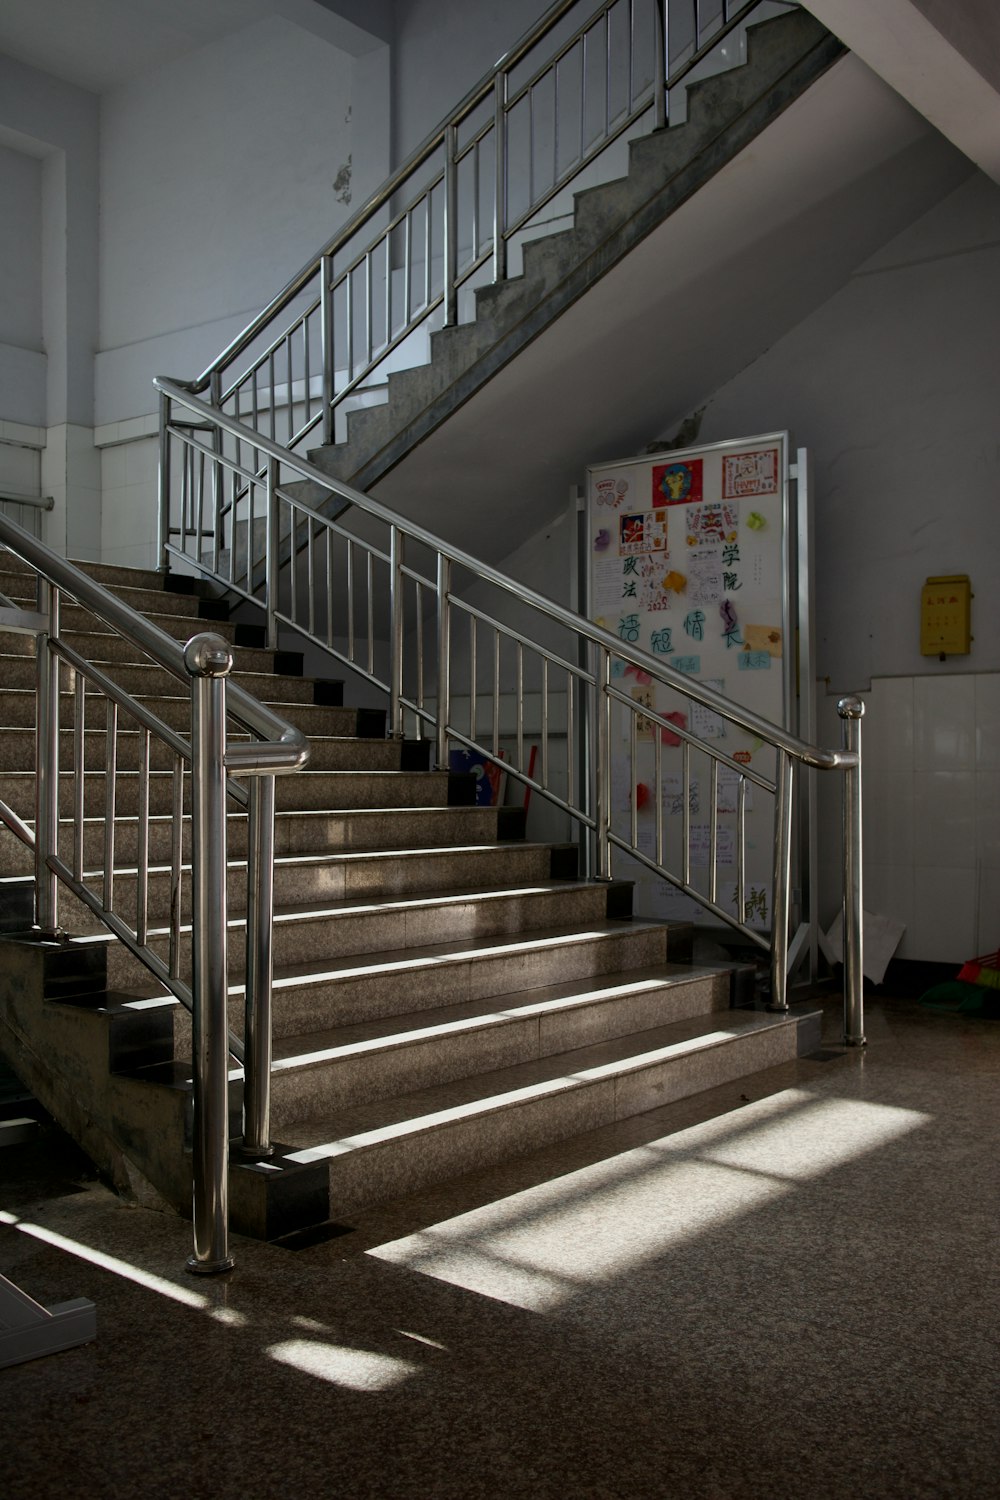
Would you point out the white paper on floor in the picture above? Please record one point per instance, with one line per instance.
(881, 939)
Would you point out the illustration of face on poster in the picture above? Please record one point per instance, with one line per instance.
(676, 483)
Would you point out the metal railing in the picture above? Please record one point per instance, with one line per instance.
(26, 510)
(461, 650)
(581, 79)
(138, 813)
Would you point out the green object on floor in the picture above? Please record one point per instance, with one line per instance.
(961, 999)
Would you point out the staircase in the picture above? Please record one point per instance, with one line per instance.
(607, 221)
(447, 994)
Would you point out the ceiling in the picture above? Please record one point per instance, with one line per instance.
(99, 44)
(770, 238)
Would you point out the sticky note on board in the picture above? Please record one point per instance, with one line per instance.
(763, 638)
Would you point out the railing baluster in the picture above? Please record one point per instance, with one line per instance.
(259, 967)
(570, 711)
(686, 810)
(272, 553)
(350, 601)
(519, 705)
(545, 721)
(741, 848)
(781, 887)
(142, 836)
(396, 635)
(851, 711)
(370, 610)
(658, 790)
(660, 15)
(327, 351)
(209, 662)
(329, 586)
(500, 177)
(713, 834)
(110, 803)
(450, 288)
(176, 867)
(444, 658)
(472, 677)
(79, 769)
(496, 690)
(602, 763)
(310, 578)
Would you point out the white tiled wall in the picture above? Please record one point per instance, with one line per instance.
(931, 788)
(129, 456)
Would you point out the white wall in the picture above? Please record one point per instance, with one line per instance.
(441, 50)
(20, 249)
(217, 175)
(894, 386)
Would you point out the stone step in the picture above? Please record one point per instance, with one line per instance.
(382, 1149)
(104, 646)
(144, 680)
(363, 833)
(151, 601)
(379, 877)
(342, 753)
(330, 791)
(17, 710)
(312, 933)
(316, 1074)
(114, 576)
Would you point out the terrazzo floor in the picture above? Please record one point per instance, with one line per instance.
(785, 1288)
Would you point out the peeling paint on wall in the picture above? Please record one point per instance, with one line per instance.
(342, 183)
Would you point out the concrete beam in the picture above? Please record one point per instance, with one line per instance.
(943, 73)
(355, 26)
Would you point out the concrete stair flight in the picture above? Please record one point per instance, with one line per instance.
(447, 993)
(725, 112)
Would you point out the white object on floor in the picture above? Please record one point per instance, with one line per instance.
(881, 938)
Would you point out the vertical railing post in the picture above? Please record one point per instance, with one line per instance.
(500, 177)
(660, 63)
(46, 762)
(444, 659)
(209, 661)
(450, 270)
(851, 711)
(163, 489)
(272, 556)
(218, 494)
(396, 600)
(326, 344)
(260, 923)
(781, 884)
(602, 764)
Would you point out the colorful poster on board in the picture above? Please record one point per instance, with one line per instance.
(687, 559)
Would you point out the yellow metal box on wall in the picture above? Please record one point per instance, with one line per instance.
(945, 616)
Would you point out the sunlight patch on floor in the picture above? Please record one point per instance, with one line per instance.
(537, 1248)
(352, 1369)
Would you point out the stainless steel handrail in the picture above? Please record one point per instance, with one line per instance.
(371, 287)
(310, 532)
(810, 755)
(203, 665)
(382, 196)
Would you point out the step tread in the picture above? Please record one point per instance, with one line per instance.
(460, 950)
(365, 1126)
(319, 1048)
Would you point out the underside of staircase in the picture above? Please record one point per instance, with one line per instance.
(724, 114)
(447, 994)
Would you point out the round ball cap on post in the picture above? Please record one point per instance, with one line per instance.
(851, 708)
(208, 656)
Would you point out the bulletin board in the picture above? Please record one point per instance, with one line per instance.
(692, 558)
